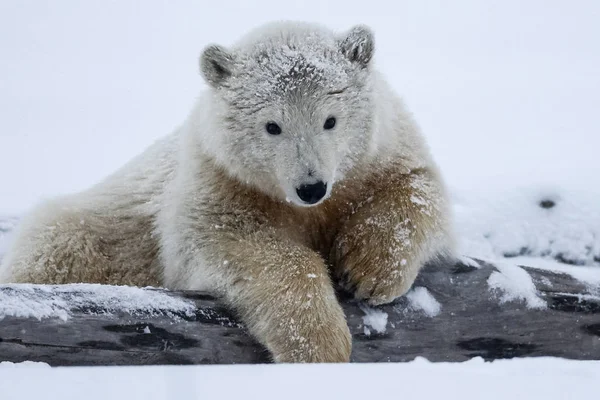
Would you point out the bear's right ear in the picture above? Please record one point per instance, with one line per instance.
(216, 65)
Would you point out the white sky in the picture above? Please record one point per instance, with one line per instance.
(505, 91)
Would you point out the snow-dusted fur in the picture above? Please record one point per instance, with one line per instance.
(215, 207)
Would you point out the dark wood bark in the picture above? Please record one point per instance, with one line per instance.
(472, 322)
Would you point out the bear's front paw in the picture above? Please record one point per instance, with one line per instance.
(375, 286)
(376, 263)
(372, 276)
(317, 336)
(330, 345)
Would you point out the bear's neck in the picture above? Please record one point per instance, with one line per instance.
(315, 227)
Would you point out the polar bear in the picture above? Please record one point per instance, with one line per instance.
(298, 168)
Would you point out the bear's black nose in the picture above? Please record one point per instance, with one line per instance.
(311, 194)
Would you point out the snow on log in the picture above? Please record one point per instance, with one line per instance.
(453, 313)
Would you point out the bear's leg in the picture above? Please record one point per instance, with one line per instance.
(378, 252)
(60, 243)
(283, 293)
(54, 245)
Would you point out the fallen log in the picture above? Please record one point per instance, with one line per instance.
(454, 312)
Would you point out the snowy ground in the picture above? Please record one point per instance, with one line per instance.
(506, 93)
(541, 378)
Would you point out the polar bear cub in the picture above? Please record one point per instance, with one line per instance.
(298, 168)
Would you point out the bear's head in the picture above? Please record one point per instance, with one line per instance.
(292, 108)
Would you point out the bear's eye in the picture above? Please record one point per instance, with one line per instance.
(329, 123)
(273, 128)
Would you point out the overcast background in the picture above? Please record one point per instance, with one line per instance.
(505, 91)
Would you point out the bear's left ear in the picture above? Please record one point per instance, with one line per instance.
(358, 45)
(216, 65)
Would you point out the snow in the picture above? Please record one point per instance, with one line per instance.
(506, 93)
(514, 283)
(24, 364)
(588, 275)
(494, 223)
(419, 299)
(374, 319)
(533, 378)
(468, 261)
(44, 301)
